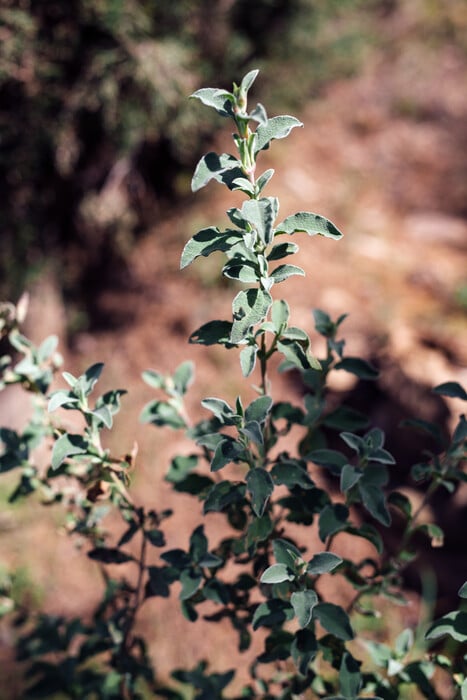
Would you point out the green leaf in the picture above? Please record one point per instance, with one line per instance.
(275, 128)
(349, 477)
(247, 81)
(463, 590)
(180, 467)
(220, 100)
(210, 561)
(356, 442)
(259, 409)
(228, 450)
(177, 558)
(282, 250)
(293, 333)
(332, 519)
(280, 313)
(453, 624)
(303, 603)
(260, 214)
(223, 168)
(284, 410)
(291, 473)
(162, 413)
(361, 368)
(260, 486)
(67, 446)
(273, 612)
(453, 389)
(249, 307)
(183, 377)
(191, 581)
(47, 348)
(207, 241)
(286, 553)
(404, 642)
(297, 355)
(248, 359)
(334, 619)
(323, 563)
(222, 495)
(109, 555)
(70, 379)
(309, 223)
(155, 537)
(283, 272)
(87, 381)
(380, 653)
(374, 500)
(213, 333)
(244, 185)
(102, 416)
(259, 530)
(242, 271)
(263, 180)
(111, 400)
(381, 456)
(323, 323)
(331, 459)
(62, 398)
(350, 679)
(400, 501)
(198, 545)
(216, 591)
(221, 409)
(253, 432)
(154, 379)
(277, 573)
(304, 650)
(188, 611)
(158, 583)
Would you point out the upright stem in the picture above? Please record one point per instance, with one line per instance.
(263, 366)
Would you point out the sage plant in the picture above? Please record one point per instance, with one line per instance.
(259, 573)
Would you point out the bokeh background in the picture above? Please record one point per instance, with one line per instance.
(97, 145)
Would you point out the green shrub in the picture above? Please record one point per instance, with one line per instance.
(260, 575)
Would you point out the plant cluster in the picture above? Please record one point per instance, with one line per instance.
(258, 575)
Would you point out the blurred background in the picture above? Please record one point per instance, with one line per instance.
(98, 142)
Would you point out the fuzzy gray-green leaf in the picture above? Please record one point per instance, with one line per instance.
(67, 446)
(220, 100)
(275, 128)
(303, 603)
(213, 166)
(249, 307)
(309, 223)
(207, 241)
(260, 486)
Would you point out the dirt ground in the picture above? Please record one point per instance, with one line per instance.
(383, 156)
